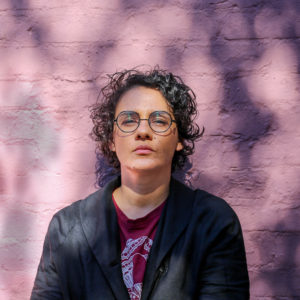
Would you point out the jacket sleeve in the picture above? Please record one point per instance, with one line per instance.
(224, 274)
(47, 283)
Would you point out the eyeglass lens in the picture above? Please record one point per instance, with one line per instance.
(129, 121)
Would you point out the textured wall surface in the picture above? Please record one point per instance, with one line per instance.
(241, 57)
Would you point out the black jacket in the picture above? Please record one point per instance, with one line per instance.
(198, 251)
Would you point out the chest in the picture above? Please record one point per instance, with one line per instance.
(85, 277)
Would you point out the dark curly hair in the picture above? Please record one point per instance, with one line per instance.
(178, 95)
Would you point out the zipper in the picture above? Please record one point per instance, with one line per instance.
(160, 272)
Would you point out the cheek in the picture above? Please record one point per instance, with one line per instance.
(122, 147)
(118, 146)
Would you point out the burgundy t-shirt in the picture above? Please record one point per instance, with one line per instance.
(136, 240)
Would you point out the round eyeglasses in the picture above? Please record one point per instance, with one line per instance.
(129, 121)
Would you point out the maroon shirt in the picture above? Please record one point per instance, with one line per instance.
(136, 240)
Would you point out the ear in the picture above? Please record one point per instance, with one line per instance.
(179, 146)
(112, 147)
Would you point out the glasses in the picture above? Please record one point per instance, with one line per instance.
(129, 121)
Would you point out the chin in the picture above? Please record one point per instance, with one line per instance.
(146, 166)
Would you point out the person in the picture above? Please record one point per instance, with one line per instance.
(144, 235)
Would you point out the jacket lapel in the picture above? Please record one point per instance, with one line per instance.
(173, 221)
(99, 222)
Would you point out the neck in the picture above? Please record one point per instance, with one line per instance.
(141, 192)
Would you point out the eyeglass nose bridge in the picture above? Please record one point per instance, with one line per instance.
(139, 123)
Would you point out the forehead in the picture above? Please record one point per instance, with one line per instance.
(143, 100)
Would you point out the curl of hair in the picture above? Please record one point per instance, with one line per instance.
(179, 96)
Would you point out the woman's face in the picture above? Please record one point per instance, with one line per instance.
(144, 149)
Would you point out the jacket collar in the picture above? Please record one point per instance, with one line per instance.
(99, 222)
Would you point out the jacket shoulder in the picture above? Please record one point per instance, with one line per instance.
(213, 205)
(67, 219)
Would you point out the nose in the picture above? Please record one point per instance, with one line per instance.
(143, 132)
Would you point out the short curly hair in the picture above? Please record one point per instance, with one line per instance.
(179, 96)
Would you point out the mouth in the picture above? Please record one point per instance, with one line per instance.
(143, 150)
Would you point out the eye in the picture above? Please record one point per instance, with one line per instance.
(128, 122)
(160, 118)
(160, 121)
(127, 119)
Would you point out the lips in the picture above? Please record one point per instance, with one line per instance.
(143, 149)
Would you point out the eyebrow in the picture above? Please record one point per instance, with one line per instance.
(154, 111)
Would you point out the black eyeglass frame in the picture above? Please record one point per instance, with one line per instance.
(139, 122)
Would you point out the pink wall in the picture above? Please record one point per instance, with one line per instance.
(242, 58)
